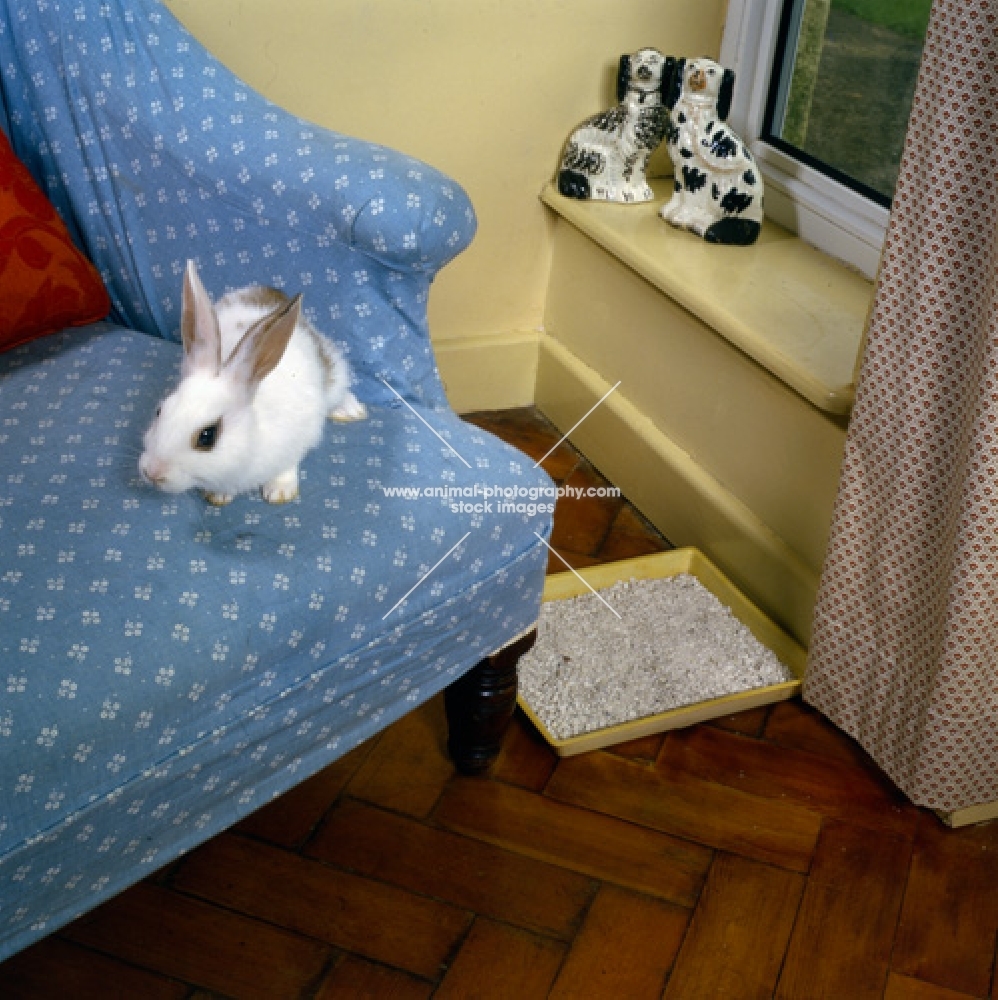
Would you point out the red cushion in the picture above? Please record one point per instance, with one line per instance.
(46, 284)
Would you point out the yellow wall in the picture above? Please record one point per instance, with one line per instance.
(486, 90)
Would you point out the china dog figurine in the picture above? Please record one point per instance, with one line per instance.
(606, 156)
(717, 186)
(257, 382)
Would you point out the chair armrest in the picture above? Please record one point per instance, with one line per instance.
(291, 173)
(140, 91)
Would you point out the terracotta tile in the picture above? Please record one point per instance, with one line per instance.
(826, 786)
(631, 535)
(841, 945)
(530, 431)
(904, 988)
(56, 968)
(409, 766)
(738, 934)
(950, 916)
(625, 948)
(525, 759)
(498, 962)
(748, 723)
(288, 820)
(201, 944)
(358, 979)
(446, 866)
(382, 922)
(705, 812)
(601, 846)
(797, 726)
(581, 523)
(561, 463)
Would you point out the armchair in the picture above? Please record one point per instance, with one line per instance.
(167, 667)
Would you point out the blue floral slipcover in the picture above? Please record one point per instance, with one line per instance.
(166, 667)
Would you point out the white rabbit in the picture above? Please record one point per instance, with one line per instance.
(257, 382)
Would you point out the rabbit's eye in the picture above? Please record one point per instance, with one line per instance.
(207, 437)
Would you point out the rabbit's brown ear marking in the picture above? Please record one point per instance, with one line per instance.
(199, 326)
(262, 346)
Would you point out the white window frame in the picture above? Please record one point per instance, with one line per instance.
(830, 216)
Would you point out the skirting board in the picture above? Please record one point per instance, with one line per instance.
(495, 372)
(675, 493)
(970, 816)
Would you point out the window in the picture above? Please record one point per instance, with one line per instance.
(823, 92)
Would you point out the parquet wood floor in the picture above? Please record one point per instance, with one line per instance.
(761, 855)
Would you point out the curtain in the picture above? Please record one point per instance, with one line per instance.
(904, 652)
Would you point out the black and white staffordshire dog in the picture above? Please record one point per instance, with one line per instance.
(718, 188)
(605, 158)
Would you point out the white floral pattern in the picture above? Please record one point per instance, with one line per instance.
(168, 666)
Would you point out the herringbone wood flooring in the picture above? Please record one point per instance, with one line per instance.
(762, 855)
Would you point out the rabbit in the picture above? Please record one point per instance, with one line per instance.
(257, 382)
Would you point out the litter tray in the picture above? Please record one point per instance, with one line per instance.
(560, 586)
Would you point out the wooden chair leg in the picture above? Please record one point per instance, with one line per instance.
(480, 705)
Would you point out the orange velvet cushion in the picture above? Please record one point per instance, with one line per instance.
(46, 284)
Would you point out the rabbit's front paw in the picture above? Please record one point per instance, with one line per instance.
(282, 488)
(218, 499)
(350, 409)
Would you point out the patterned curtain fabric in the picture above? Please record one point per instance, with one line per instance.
(904, 652)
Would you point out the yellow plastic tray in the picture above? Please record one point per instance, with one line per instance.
(664, 564)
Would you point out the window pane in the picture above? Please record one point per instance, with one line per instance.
(843, 84)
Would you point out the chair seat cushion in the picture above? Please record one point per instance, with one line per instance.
(168, 666)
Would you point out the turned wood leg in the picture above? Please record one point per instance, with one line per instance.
(480, 705)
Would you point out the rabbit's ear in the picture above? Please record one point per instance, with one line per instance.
(262, 346)
(198, 327)
(623, 77)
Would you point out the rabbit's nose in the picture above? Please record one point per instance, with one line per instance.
(152, 471)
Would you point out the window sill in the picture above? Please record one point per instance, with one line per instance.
(793, 310)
